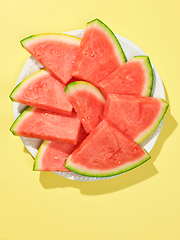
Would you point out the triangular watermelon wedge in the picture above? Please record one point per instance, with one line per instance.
(106, 151)
(135, 77)
(88, 102)
(56, 52)
(52, 155)
(100, 53)
(42, 90)
(47, 125)
(136, 116)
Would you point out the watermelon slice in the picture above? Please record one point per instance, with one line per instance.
(51, 156)
(47, 125)
(42, 90)
(106, 151)
(100, 53)
(88, 102)
(135, 115)
(135, 77)
(56, 52)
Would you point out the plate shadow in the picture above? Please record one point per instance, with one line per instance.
(50, 180)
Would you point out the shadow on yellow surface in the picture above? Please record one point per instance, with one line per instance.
(169, 126)
(50, 180)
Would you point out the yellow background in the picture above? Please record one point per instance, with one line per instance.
(141, 204)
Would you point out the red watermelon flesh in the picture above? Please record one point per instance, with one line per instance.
(105, 152)
(52, 155)
(135, 77)
(47, 125)
(100, 53)
(88, 102)
(135, 115)
(42, 90)
(56, 52)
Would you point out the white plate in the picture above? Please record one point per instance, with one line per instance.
(131, 50)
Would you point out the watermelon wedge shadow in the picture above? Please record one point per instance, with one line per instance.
(98, 186)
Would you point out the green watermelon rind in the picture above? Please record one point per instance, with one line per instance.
(81, 85)
(37, 161)
(53, 36)
(113, 172)
(118, 48)
(149, 73)
(156, 123)
(23, 115)
(24, 82)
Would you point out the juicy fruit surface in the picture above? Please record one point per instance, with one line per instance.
(88, 102)
(100, 53)
(52, 155)
(98, 58)
(135, 77)
(105, 152)
(42, 90)
(47, 125)
(56, 52)
(135, 115)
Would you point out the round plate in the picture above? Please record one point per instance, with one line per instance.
(131, 50)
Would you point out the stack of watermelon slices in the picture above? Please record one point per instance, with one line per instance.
(89, 104)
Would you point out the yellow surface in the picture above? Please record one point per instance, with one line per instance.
(142, 204)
